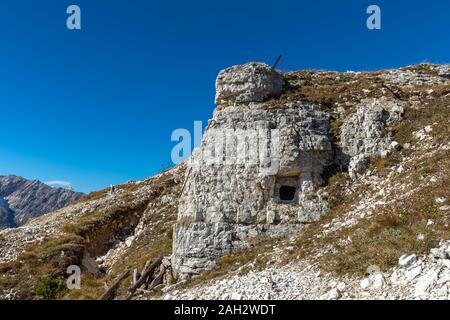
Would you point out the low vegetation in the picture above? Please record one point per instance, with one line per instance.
(394, 230)
(155, 240)
(40, 265)
(49, 288)
(36, 273)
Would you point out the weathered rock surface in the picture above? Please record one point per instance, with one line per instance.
(6, 215)
(22, 200)
(236, 179)
(250, 82)
(363, 136)
(260, 169)
(271, 162)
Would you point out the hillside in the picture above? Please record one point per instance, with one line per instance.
(22, 200)
(346, 197)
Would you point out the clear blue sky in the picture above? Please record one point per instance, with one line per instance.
(98, 106)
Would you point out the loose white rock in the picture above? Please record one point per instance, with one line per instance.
(407, 261)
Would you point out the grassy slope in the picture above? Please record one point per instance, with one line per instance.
(393, 229)
(50, 259)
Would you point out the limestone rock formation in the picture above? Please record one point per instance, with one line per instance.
(21, 200)
(266, 153)
(250, 82)
(363, 136)
(260, 169)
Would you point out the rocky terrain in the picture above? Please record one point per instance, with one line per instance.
(22, 200)
(308, 266)
(307, 185)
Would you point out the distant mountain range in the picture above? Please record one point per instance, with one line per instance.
(22, 200)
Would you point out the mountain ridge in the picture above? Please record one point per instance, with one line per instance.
(22, 199)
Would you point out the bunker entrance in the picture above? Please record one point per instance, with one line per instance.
(287, 193)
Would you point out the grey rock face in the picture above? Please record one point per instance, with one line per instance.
(6, 215)
(362, 136)
(255, 172)
(410, 78)
(21, 200)
(250, 82)
(260, 167)
(199, 244)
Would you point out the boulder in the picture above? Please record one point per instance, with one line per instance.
(250, 82)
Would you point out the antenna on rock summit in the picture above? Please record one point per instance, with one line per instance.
(276, 62)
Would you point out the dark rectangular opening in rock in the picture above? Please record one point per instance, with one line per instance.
(287, 193)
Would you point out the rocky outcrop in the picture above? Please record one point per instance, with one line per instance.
(417, 275)
(363, 134)
(255, 171)
(250, 82)
(21, 200)
(271, 146)
(260, 168)
(6, 215)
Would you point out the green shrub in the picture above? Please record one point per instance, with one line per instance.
(48, 288)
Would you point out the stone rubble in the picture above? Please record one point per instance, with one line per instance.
(415, 277)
